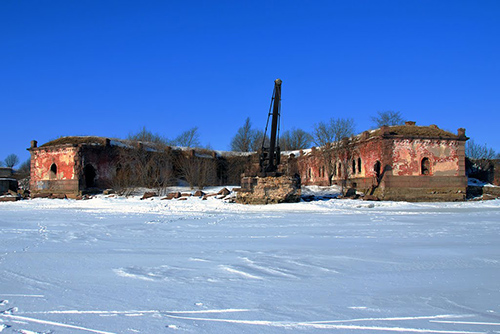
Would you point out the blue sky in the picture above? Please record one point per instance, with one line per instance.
(108, 68)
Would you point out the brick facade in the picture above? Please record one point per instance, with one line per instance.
(406, 162)
(393, 163)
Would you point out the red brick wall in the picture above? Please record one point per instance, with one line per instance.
(41, 162)
(400, 168)
(312, 168)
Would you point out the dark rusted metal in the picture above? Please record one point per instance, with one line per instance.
(270, 156)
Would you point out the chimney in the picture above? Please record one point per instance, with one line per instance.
(34, 144)
(461, 132)
(409, 123)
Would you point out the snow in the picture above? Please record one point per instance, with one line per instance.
(125, 265)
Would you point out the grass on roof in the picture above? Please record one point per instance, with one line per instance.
(76, 141)
(416, 131)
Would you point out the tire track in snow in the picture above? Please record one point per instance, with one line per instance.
(239, 272)
(467, 322)
(101, 312)
(317, 325)
(52, 323)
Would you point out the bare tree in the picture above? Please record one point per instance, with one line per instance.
(259, 139)
(333, 130)
(146, 136)
(295, 139)
(333, 147)
(11, 160)
(480, 156)
(388, 117)
(189, 138)
(247, 139)
(478, 151)
(24, 169)
(242, 140)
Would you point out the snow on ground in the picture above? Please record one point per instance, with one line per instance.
(125, 265)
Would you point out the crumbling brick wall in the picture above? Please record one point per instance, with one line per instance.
(53, 170)
(422, 163)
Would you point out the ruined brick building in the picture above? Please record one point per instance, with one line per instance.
(72, 166)
(406, 162)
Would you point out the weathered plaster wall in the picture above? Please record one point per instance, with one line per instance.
(65, 180)
(443, 156)
(63, 157)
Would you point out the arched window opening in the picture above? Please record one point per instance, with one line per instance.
(426, 166)
(376, 169)
(353, 166)
(359, 165)
(53, 172)
(89, 175)
(310, 173)
(340, 169)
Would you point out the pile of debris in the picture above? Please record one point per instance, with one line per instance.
(224, 194)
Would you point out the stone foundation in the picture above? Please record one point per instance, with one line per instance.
(269, 190)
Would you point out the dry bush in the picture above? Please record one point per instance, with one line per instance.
(198, 171)
(143, 167)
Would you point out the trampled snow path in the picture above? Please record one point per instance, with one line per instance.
(117, 265)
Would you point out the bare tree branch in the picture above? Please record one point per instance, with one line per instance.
(388, 117)
(11, 160)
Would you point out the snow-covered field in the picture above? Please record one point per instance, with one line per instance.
(122, 265)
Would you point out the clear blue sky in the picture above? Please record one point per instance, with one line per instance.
(108, 68)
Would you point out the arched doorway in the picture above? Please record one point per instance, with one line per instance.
(89, 176)
(53, 172)
(425, 166)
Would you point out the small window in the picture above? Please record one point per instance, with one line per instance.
(340, 169)
(359, 165)
(353, 166)
(425, 166)
(53, 172)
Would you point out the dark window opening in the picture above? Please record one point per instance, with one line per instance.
(353, 166)
(425, 166)
(340, 169)
(359, 165)
(376, 169)
(89, 175)
(53, 172)
(334, 172)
